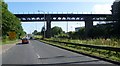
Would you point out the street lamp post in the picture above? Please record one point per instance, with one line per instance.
(67, 22)
(44, 22)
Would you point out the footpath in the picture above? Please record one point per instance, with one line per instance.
(4, 48)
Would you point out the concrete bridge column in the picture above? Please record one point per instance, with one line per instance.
(48, 26)
(88, 25)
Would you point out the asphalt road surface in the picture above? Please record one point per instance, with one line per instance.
(40, 53)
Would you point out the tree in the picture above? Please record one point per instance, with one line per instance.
(0, 24)
(9, 21)
(42, 30)
(35, 32)
(117, 16)
(72, 35)
(81, 33)
(56, 31)
(38, 33)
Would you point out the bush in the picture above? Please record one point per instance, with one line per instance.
(4, 38)
(63, 36)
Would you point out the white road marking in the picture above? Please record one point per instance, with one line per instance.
(38, 56)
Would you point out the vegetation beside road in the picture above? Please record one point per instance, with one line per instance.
(9, 42)
(37, 36)
(98, 42)
(0, 42)
(96, 52)
(10, 24)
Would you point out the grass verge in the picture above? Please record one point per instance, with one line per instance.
(99, 53)
(9, 42)
(98, 42)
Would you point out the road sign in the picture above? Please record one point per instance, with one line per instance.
(12, 35)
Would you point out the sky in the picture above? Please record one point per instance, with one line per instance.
(44, 6)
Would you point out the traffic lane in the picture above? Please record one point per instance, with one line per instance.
(20, 54)
(51, 55)
(46, 50)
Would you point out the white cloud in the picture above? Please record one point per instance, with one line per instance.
(102, 8)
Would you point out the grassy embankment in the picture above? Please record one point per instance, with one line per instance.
(37, 36)
(111, 55)
(0, 40)
(97, 42)
(8, 41)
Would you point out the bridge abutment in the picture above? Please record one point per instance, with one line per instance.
(88, 26)
(48, 26)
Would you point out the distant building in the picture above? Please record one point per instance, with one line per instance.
(77, 28)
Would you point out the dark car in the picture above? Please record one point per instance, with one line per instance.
(25, 41)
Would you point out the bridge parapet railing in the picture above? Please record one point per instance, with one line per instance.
(56, 12)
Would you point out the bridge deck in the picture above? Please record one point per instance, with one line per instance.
(65, 17)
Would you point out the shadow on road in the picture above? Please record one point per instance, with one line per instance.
(19, 44)
(61, 57)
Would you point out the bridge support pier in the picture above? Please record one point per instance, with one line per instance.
(48, 27)
(88, 26)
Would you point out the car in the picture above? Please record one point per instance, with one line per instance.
(25, 41)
